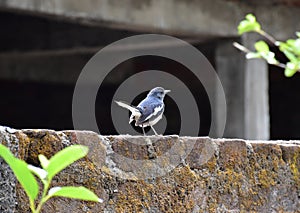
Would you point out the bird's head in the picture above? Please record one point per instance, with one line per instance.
(158, 92)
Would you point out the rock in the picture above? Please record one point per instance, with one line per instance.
(8, 195)
(161, 173)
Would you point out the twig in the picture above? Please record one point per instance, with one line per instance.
(267, 36)
(241, 47)
(246, 50)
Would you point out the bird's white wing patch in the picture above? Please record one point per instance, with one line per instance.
(158, 109)
(135, 112)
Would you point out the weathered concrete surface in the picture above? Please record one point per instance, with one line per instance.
(218, 175)
(205, 17)
(256, 95)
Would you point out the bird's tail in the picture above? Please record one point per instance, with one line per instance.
(135, 113)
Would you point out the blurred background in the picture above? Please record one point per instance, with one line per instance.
(45, 44)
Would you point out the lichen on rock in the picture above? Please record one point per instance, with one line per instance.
(141, 174)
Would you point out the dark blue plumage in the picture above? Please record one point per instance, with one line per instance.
(149, 111)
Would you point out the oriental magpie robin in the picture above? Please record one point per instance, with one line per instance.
(149, 111)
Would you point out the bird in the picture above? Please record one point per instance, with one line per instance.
(149, 111)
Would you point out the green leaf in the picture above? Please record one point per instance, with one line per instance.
(64, 158)
(44, 161)
(262, 46)
(251, 18)
(249, 24)
(291, 42)
(291, 69)
(6, 154)
(22, 173)
(298, 34)
(283, 46)
(297, 47)
(264, 51)
(81, 193)
(290, 56)
(292, 46)
(253, 55)
(289, 72)
(270, 58)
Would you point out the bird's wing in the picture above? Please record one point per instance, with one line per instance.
(150, 110)
(156, 109)
(135, 112)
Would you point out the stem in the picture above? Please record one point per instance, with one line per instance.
(32, 206)
(241, 47)
(44, 196)
(246, 50)
(267, 36)
(281, 65)
(43, 200)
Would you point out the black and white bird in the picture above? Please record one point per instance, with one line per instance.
(149, 111)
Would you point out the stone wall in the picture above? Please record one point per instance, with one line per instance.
(162, 174)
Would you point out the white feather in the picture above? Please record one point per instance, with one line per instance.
(135, 113)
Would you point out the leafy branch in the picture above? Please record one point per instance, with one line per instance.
(290, 48)
(50, 167)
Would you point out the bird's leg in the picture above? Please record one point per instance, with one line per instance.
(154, 130)
(143, 130)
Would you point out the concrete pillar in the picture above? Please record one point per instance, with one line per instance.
(229, 64)
(245, 84)
(257, 118)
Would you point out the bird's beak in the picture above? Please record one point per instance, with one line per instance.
(167, 91)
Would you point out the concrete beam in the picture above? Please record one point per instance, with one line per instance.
(203, 18)
(48, 66)
(64, 65)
